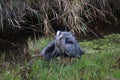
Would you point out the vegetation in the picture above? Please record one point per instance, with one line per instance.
(22, 21)
(100, 62)
(46, 16)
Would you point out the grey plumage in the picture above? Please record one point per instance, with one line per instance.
(50, 51)
(67, 44)
(64, 44)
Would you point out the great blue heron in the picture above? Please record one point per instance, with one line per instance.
(64, 44)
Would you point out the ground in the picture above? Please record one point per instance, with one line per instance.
(101, 61)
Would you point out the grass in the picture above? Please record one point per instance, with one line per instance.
(100, 62)
(45, 16)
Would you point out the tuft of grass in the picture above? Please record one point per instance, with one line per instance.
(100, 62)
(38, 45)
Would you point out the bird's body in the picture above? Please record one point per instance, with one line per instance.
(64, 44)
(67, 44)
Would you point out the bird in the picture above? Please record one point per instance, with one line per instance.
(67, 44)
(64, 44)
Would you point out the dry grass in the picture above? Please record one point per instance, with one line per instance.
(50, 15)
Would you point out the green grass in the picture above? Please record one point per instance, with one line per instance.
(100, 62)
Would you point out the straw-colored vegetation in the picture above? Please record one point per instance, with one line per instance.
(48, 15)
(24, 20)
